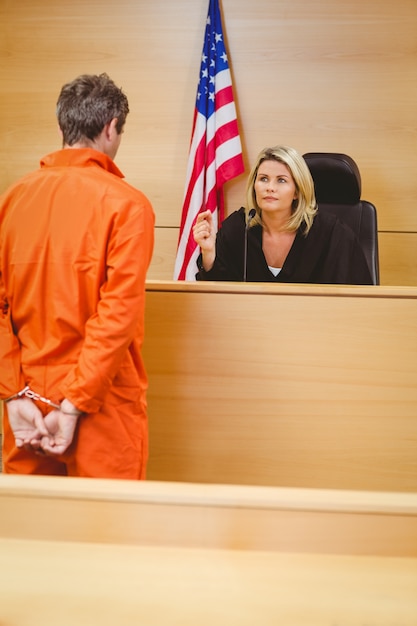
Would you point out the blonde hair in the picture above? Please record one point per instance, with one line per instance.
(305, 206)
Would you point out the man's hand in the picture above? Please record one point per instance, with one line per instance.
(27, 423)
(60, 432)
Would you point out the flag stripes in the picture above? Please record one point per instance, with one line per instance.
(215, 154)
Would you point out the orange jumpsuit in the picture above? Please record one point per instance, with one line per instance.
(75, 244)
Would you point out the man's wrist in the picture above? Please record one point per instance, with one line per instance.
(68, 408)
(18, 395)
(27, 392)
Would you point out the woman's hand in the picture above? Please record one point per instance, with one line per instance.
(205, 236)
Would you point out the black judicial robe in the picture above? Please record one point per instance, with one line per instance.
(329, 254)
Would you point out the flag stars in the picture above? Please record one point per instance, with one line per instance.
(213, 60)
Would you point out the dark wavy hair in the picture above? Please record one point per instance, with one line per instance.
(86, 105)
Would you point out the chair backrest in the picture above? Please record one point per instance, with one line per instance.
(337, 184)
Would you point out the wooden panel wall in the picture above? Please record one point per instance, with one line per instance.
(320, 76)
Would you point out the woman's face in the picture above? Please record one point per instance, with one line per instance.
(274, 188)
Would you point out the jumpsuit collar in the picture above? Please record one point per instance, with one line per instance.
(80, 157)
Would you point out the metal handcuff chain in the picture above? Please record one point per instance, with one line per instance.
(27, 392)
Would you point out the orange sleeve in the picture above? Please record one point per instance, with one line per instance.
(11, 377)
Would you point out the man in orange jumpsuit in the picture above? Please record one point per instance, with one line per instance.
(76, 241)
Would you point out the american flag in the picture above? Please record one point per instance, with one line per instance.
(215, 154)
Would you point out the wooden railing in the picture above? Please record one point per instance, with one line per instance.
(104, 552)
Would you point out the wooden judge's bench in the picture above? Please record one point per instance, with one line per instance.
(283, 385)
(282, 483)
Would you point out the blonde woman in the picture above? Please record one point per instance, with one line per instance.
(280, 236)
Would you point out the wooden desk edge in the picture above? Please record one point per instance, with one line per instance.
(283, 289)
(188, 494)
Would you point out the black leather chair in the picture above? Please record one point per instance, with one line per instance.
(337, 183)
